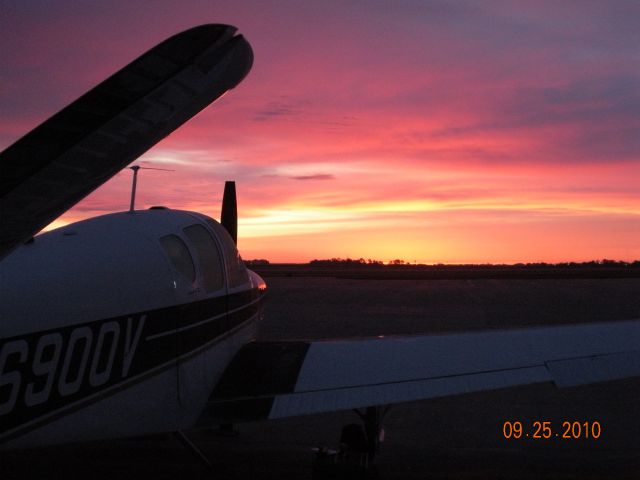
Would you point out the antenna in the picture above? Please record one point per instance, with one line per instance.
(135, 169)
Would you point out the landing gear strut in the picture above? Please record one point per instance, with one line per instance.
(372, 418)
(193, 448)
(359, 445)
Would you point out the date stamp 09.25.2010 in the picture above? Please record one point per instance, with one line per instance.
(545, 430)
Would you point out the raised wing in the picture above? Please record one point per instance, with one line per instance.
(281, 379)
(71, 154)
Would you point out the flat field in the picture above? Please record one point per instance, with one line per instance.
(459, 437)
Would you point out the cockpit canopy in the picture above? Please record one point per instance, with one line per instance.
(209, 248)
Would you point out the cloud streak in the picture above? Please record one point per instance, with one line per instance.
(318, 176)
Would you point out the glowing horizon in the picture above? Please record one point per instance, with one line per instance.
(430, 132)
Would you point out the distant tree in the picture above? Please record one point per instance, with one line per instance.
(397, 261)
(349, 262)
(256, 261)
(609, 262)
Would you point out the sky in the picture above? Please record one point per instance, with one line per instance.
(429, 131)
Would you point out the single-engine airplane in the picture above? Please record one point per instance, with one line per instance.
(141, 322)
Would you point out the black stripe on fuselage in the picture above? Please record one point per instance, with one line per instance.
(51, 375)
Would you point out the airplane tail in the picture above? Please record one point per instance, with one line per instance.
(229, 214)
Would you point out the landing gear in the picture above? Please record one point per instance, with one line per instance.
(193, 448)
(359, 444)
(372, 419)
(227, 430)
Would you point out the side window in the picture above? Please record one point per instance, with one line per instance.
(208, 255)
(179, 256)
(235, 266)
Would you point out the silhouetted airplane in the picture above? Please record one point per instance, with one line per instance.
(141, 322)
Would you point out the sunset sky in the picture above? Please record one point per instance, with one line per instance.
(431, 131)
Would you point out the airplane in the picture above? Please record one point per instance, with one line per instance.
(145, 321)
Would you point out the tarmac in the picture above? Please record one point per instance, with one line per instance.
(459, 437)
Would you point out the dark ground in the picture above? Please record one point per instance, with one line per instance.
(458, 437)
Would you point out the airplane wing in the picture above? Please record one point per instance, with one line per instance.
(71, 154)
(281, 379)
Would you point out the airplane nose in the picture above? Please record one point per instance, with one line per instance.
(257, 282)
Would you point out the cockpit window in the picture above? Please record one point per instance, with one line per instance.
(208, 255)
(235, 266)
(179, 256)
(237, 271)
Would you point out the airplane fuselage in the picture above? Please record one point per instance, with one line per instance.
(119, 325)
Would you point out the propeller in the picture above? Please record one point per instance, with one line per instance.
(229, 215)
